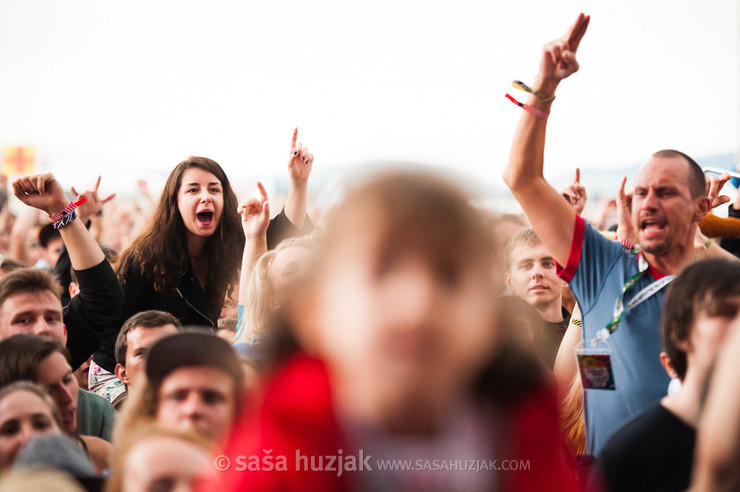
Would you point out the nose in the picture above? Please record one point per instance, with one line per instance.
(417, 291)
(205, 196)
(650, 201)
(63, 395)
(42, 328)
(192, 407)
(24, 435)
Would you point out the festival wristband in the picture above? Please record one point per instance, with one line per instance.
(518, 84)
(69, 208)
(528, 107)
(64, 220)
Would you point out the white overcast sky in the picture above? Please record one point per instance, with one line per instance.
(128, 89)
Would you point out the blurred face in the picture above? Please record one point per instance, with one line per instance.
(402, 337)
(138, 342)
(166, 464)
(39, 313)
(286, 267)
(198, 398)
(22, 416)
(55, 374)
(532, 276)
(710, 330)
(662, 208)
(200, 201)
(53, 251)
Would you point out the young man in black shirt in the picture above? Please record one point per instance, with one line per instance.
(655, 451)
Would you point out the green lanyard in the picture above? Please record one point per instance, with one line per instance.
(643, 295)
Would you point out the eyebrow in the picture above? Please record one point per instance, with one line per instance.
(45, 312)
(212, 183)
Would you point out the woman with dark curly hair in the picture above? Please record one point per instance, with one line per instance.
(188, 258)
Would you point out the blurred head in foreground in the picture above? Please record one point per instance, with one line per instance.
(157, 457)
(399, 305)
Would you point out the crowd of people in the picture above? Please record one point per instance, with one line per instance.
(407, 340)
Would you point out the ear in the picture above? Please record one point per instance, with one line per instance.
(120, 371)
(507, 281)
(64, 330)
(703, 207)
(74, 289)
(665, 361)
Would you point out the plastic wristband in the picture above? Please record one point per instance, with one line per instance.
(518, 84)
(626, 243)
(65, 220)
(528, 107)
(69, 208)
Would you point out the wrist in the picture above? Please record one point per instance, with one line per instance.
(300, 185)
(546, 85)
(55, 208)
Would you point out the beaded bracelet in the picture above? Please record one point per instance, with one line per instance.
(518, 84)
(528, 107)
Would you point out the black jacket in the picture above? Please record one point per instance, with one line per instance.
(188, 303)
(87, 315)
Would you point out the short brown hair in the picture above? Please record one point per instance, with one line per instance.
(20, 355)
(414, 211)
(699, 289)
(525, 236)
(697, 180)
(29, 280)
(145, 319)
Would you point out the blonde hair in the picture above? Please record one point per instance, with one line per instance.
(261, 293)
(572, 423)
(128, 441)
(140, 409)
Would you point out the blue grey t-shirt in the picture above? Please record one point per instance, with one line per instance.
(597, 271)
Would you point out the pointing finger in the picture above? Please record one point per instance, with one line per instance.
(263, 192)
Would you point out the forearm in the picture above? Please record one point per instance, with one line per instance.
(526, 160)
(566, 367)
(253, 250)
(84, 252)
(296, 203)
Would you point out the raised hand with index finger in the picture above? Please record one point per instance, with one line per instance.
(559, 56)
(255, 215)
(300, 162)
(575, 194)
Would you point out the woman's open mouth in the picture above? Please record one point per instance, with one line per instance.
(205, 217)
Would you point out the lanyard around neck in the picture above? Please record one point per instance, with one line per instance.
(642, 296)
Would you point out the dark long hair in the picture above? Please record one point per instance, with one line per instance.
(162, 250)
